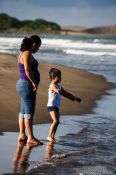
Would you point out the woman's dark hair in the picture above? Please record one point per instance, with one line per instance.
(28, 42)
(54, 73)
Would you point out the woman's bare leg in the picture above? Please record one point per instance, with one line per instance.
(22, 135)
(29, 128)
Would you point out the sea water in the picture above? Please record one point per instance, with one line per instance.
(92, 53)
(89, 147)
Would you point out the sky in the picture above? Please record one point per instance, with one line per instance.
(87, 13)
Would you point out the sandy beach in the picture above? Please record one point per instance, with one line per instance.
(87, 86)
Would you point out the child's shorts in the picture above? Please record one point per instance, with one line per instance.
(52, 108)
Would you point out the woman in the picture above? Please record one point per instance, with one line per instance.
(27, 87)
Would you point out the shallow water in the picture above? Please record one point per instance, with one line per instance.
(92, 150)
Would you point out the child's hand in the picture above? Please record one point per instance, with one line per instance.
(78, 99)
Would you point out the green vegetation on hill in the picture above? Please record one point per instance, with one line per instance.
(9, 24)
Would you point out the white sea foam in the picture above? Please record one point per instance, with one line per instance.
(95, 170)
(74, 153)
(89, 53)
(76, 44)
(10, 43)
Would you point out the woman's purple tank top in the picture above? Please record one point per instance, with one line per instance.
(34, 68)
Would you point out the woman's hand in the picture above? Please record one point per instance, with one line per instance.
(35, 87)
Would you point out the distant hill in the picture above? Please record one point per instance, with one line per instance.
(107, 30)
(73, 30)
(79, 30)
(10, 24)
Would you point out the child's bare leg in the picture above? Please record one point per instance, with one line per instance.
(55, 117)
(22, 135)
(56, 126)
(49, 150)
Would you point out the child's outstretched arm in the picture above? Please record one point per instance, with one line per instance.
(65, 93)
(69, 95)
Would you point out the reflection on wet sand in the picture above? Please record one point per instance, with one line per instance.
(20, 159)
(21, 156)
(49, 150)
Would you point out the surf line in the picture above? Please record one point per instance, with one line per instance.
(74, 153)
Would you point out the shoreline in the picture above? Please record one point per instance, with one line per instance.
(76, 81)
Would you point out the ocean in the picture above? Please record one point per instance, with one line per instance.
(88, 147)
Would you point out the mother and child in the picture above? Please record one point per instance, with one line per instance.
(27, 87)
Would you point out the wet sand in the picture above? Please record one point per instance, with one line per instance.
(20, 158)
(88, 86)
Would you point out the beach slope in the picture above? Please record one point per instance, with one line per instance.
(88, 86)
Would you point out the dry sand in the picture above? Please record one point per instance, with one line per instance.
(86, 85)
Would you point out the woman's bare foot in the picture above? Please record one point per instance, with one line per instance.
(34, 142)
(22, 138)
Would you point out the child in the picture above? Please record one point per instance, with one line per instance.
(54, 97)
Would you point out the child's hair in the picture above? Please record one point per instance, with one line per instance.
(54, 73)
(27, 42)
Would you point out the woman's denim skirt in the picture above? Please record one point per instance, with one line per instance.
(28, 98)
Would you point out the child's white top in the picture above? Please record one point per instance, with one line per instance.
(53, 97)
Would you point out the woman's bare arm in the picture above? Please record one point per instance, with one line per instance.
(28, 71)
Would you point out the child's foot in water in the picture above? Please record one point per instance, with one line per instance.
(50, 139)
